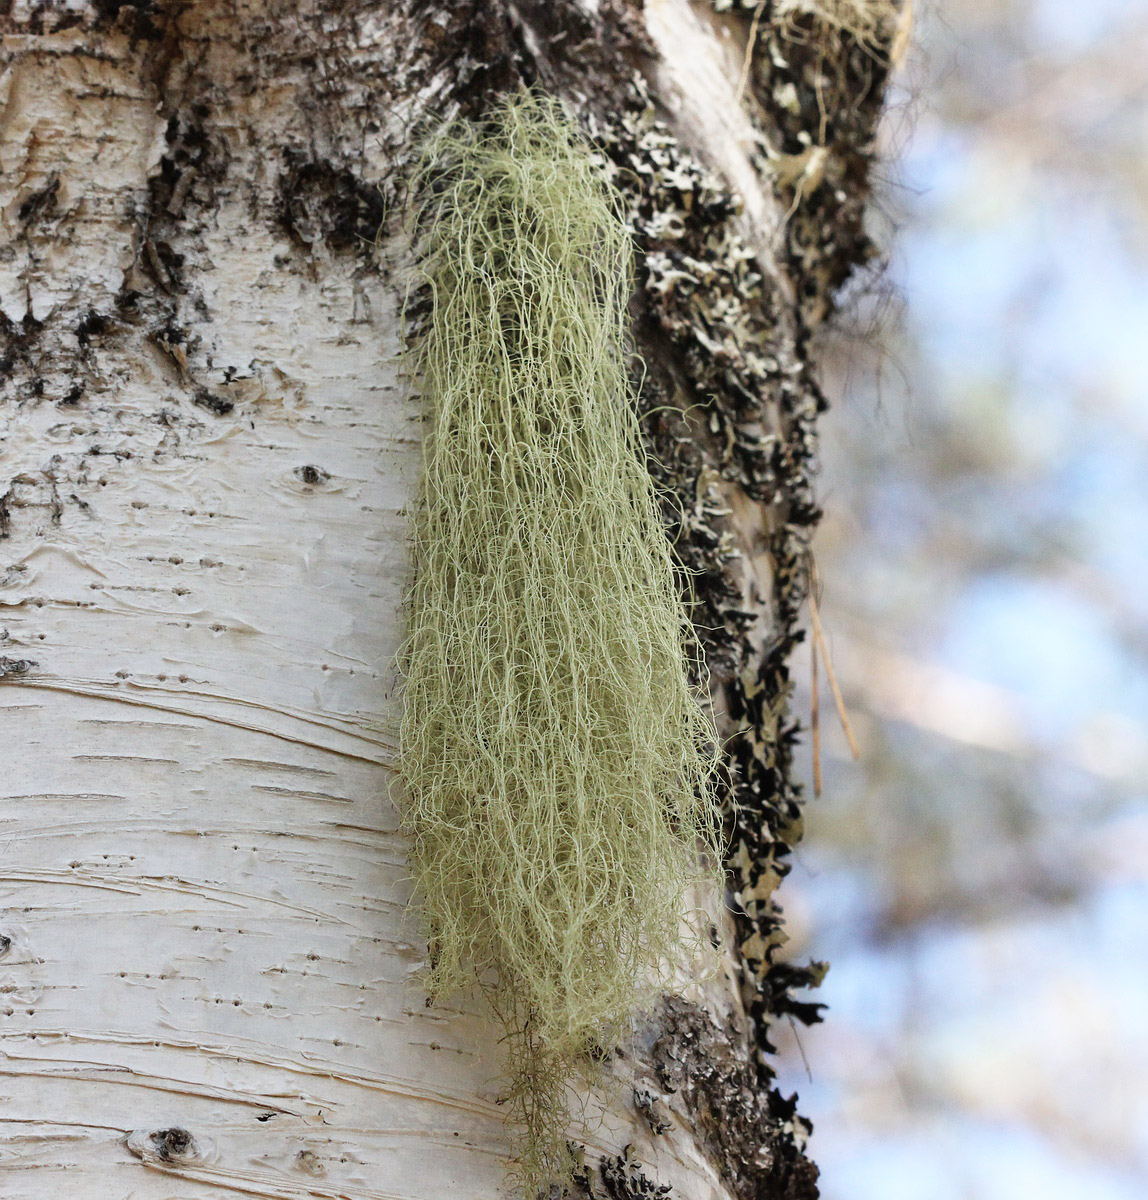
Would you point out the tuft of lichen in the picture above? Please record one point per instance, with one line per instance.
(867, 21)
(557, 766)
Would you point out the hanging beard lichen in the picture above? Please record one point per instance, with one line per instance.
(556, 764)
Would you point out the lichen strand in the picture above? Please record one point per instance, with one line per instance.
(729, 405)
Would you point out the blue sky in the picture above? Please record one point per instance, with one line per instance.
(997, 511)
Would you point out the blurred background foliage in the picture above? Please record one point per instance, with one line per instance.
(979, 880)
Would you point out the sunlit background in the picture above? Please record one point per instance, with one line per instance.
(979, 880)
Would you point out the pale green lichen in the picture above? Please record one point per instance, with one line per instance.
(556, 766)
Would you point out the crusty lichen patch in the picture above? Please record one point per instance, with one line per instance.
(614, 1177)
(751, 430)
(753, 1134)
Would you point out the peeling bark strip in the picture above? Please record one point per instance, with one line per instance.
(206, 453)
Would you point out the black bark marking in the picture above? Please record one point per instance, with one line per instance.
(312, 475)
(93, 325)
(41, 202)
(134, 17)
(213, 403)
(191, 157)
(174, 1144)
(320, 201)
(19, 349)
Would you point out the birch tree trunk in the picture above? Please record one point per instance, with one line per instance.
(208, 978)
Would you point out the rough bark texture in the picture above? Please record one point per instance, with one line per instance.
(207, 985)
